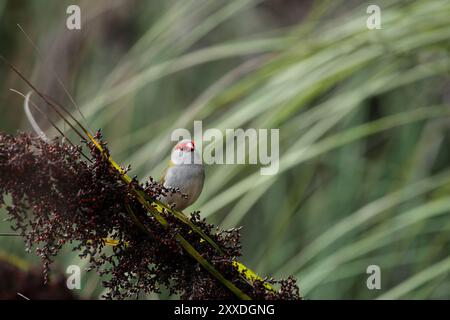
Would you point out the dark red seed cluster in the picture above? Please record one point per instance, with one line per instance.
(59, 198)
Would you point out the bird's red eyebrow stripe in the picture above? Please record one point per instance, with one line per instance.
(182, 145)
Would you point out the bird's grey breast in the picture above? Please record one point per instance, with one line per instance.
(188, 178)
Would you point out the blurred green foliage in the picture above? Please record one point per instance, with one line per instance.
(363, 118)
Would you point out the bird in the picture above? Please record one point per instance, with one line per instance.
(186, 173)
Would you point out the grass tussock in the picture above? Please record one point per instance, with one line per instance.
(59, 198)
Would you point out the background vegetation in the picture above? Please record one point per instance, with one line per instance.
(363, 116)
